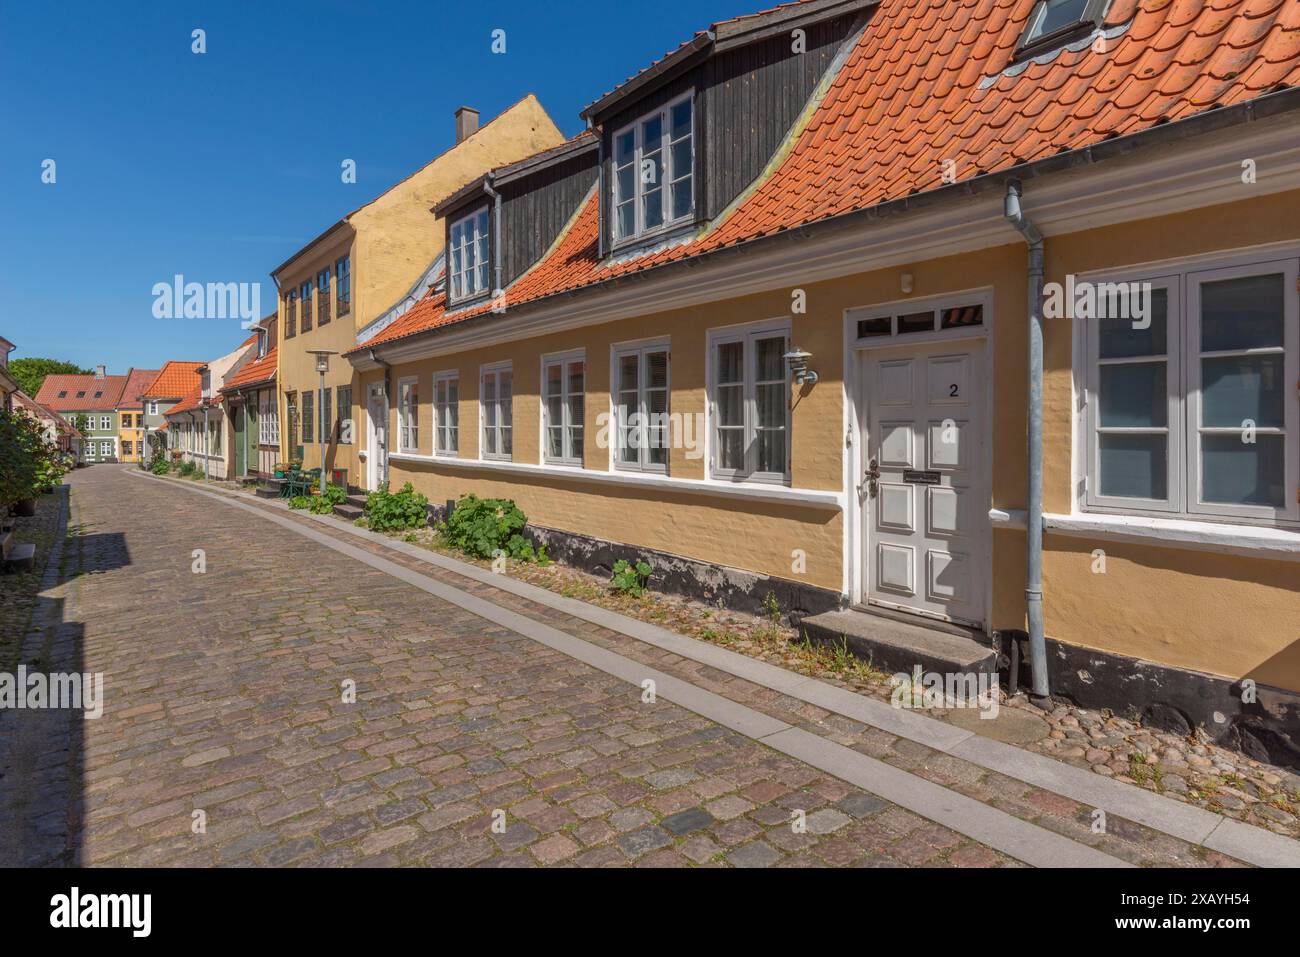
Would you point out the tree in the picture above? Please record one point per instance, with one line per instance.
(30, 373)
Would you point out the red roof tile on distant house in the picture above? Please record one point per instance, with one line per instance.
(255, 373)
(173, 381)
(137, 381)
(81, 393)
(930, 81)
(42, 412)
(190, 401)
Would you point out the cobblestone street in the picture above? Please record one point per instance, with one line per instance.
(226, 703)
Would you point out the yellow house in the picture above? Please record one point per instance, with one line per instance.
(997, 341)
(372, 263)
(131, 424)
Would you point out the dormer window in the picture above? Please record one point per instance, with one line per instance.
(1054, 23)
(469, 270)
(654, 168)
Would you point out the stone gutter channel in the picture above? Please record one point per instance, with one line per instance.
(998, 829)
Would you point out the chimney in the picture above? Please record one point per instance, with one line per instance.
(466, 123)
(99, 372)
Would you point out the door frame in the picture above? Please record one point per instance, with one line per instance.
(857, 540)
(374, 390)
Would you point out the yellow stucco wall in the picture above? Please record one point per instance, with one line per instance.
(1224, 615)
(391, 241)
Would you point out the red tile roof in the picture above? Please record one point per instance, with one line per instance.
(190, 401)
(42, 412)
(100, 395)
(933, 80)
(255, 373)
(173, 381)
(137, 381)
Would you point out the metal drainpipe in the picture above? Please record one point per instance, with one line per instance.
(1034, 565)
(207, 452)
(388, 369)
(496, 234)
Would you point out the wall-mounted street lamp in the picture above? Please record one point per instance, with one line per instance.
(798, 360)
(322, 367)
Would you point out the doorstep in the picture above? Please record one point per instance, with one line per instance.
(893, 645)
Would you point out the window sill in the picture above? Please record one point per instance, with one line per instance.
(767, 493)
(1251, 541)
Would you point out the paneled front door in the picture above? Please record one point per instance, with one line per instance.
(926, 498)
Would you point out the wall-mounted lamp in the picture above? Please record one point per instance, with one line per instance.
(906, 281)
(798, 360)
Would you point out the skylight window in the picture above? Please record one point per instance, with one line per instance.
(1053, 23)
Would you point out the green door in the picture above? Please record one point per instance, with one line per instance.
(241, 453)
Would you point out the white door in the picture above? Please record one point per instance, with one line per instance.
(377, 436)
(926, 498)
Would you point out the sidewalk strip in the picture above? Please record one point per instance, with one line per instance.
(1020, 839)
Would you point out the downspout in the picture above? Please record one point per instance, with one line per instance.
(1041, 691)
(388, 370)
(496, 234)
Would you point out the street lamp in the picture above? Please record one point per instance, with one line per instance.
(322, 367)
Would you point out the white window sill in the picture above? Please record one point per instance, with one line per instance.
(763, 493)
(1252, 541)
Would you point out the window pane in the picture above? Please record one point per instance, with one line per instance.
(576, 372)
(771, 451)
(1134, 466)
(625, 182)
(681, 120)
(874, 327)
(624, 146)
(626, 219)
(554, 411)
(1234, 472)
(730, 361)
(731, 449)
(681, 153)
(769, 355)
(771, 405)
(958, 317)
(506, 383)
(553, 378)
(1243, 387)
(731, 406)
(916, 322)
(682, 198)
(1056, 14)
(554, 436)
(1134, 396)
(656, 370)
(653, 209)
(627, 373)
(652, 132)
(1242, 313)
(1117, 339)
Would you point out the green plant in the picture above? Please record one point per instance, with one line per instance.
(26, 461)
(487, 527)
(300, 501)
(160, 466)
(772, 608)
(631, 579)
(324, 504)
(393, 511)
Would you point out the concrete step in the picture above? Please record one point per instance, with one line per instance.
(20, 558)
(349, 512)
(267, 492)
(357, 500)
(894, 646)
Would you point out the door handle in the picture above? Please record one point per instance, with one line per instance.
(872, 477)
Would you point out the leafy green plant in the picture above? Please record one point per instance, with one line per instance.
(26, 461)
(300, 502)
(630, 579)
(486, 527)
(394, 511)
(324, 504)
(160, 466)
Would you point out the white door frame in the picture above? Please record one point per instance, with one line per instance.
(856, 538)
(374, 391)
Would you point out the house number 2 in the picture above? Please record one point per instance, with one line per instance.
(953, 391)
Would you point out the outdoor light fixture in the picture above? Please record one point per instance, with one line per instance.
(906, 282)
(798, 360)
(322, 366)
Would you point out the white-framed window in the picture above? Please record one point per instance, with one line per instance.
(1193, 414)
(408, 415)
(446, 413)
(641, 397)
(749, 403)
(105, 422)
(654, 170)
(106, 448)
(268, 419)
(496, 390)
(153, 408)
(468, 263)
(564, 388)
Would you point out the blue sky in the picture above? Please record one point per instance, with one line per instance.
(219, 166)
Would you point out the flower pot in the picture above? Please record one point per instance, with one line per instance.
(26, 508)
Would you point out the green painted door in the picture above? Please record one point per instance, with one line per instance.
(241, 453)
(254, 463)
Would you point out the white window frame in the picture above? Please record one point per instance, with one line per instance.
(105, 422)
(747, 333)
(670, 175)
(441, 429)
(641, 350)
(463, 279)
(105, 448)
(153, 408)
(568, 455)
(494, 371)
(408, 433)
(1183, 378)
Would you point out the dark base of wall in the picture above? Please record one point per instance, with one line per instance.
(1172, 699)
(725, 587)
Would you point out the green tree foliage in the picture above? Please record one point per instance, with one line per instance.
(30, 373)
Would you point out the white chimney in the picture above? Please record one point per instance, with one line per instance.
(466, 123)
(99, 372)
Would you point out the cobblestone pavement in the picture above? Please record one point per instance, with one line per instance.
(225, 704)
